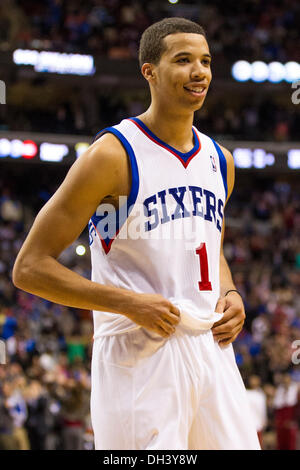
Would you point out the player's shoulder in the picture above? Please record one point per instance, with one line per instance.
(227, 154)
(230, 169)
(108, 146)
(104, 160)
(106, 155)
(225, 151)
(103, 167)
(112, 142)
(229, 160)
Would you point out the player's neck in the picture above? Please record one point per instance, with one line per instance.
(175, 130)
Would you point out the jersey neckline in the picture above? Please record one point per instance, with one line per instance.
(184, 158)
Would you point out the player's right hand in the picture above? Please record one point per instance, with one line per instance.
(155, 313)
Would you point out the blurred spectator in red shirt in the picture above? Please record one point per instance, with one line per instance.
(285, 404)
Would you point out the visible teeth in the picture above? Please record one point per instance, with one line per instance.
(197, 90)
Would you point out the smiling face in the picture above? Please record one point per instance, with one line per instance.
(183, 74)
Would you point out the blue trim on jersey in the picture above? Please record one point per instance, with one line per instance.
(223, 166)
(184, 156)
(117, 219)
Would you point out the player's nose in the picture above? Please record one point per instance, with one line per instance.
(199, 71)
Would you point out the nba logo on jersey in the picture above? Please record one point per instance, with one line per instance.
(213, 163)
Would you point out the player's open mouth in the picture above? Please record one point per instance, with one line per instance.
(196, 91)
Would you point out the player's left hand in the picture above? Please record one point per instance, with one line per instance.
(227, 329)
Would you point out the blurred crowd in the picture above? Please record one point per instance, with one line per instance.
(85, 112)
(264, 29)
(258, 30)
(45, 379)
(262, 246)
(45, 383)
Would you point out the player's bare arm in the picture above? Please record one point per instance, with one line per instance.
(227, 329)
(102, 173)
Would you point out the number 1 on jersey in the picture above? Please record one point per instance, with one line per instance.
(204, 284)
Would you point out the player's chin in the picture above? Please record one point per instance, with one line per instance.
(197, 105)
(196, 102)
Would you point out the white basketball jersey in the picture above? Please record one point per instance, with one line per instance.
(165, 238)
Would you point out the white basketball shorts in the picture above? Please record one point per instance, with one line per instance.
(184, 392)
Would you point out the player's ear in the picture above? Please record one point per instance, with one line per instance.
(148, 71)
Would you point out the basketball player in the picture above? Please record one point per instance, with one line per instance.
(165, 307)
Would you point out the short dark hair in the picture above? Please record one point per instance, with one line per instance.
(152, 45)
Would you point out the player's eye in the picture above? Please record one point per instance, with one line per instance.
(183, 59)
